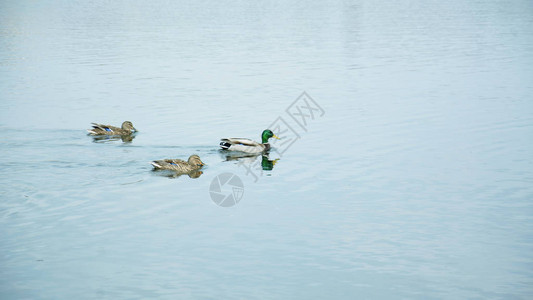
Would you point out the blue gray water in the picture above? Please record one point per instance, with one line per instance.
(416, 182)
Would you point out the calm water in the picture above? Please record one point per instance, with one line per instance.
(417, 181)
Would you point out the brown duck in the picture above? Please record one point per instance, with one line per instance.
(100, 129)
(181, 166)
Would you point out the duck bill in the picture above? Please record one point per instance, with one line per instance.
(276, 137)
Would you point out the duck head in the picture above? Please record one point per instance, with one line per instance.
(194, 160)
(266, 135)
(127, 125)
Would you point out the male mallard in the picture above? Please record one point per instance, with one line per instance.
(99, 129)
(247, 145)
(194, 163)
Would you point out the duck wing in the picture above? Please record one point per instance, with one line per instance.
(101, 128)
(168, 163)
(241, 144)
(241, 141)
(175, 161)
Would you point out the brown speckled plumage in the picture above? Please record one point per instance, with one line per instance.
(181, 166)
(101, 129)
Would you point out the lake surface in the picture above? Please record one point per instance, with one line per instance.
(412, 178)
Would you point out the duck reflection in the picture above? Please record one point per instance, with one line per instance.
(250, 158)
(268, 164)
(112, 138)
(175, 174)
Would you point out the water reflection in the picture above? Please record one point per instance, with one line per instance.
(250, 159)
(112, 138)
(238, 156)
(268, 164)
(174, 174)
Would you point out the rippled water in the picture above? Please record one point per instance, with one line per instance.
(416, 182)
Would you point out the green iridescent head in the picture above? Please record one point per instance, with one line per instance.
(267, 134)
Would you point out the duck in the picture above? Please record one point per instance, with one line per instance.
(248, 145)
(100, 129)
(194, 163)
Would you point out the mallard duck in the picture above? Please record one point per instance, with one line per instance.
(247, 145)
(100, 129)
(194, 163)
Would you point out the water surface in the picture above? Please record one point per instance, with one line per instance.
(415, 183)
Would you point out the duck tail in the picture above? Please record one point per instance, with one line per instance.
(225, 145)
(155, 164)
